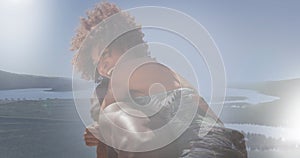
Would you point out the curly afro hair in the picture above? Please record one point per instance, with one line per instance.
(82, 60)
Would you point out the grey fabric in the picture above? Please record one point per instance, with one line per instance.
(203, 139)
(219, 142)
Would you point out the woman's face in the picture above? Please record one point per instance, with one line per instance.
(107, 61)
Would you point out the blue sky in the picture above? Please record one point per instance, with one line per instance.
(258, 40)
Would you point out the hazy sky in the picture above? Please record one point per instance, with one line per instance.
(258, 40)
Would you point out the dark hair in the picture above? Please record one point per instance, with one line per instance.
(82, 59)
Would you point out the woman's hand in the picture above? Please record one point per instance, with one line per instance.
(90, 139)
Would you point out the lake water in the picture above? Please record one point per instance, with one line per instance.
(253, 97)
(36, 94)
(290, 134)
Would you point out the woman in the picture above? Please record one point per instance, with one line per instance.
(146, 83)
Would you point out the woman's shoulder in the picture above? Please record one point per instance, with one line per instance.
(154, 76)
(152, 70)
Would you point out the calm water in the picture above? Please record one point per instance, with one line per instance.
(290, 134)
(253, 97)
(38, 93)
(63, 138)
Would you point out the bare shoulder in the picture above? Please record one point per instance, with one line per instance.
(148, 74)
(158, 73)
(152, 71)
(151, 67)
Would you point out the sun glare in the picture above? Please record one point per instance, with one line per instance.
(19, 18)
(293, 117)
(19, 29)
(18, 2)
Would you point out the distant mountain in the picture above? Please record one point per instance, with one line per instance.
(10, 81)
(280, 88)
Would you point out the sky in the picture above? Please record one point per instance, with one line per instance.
(258, 40)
